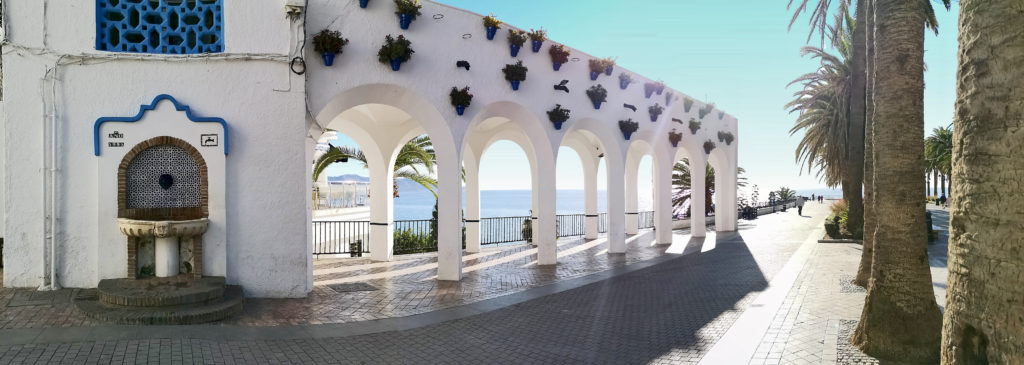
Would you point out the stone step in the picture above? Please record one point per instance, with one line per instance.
(160, 292)
(229, 304)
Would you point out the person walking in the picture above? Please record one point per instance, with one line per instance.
(800, 205)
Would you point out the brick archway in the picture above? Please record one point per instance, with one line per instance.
(183, 213)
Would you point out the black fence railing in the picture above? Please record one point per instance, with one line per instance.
(570, 225)
(339, 237)
(414, 236)
(504, 229)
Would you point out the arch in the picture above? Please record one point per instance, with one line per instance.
(123, 211)
(605, 140)
(725, 189)
(635, 153)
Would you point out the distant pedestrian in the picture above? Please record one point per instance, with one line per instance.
(820, 199)
(942, 200)
(812, 196)
(800, 205)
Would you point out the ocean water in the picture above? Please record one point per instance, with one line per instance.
(418, 204)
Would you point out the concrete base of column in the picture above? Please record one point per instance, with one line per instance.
(632, 223)
(472, 236)
(381, 242)
(590, 228)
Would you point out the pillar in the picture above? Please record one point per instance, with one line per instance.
(472, 207)
(662, 176)
(449, 217)
(616, 204)
(632, 214)
(591, 223)
(382, 239)
(697, 176)
(545, 234)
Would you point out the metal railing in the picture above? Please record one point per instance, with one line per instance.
(496, 230)
(414, 236)
(339, 237)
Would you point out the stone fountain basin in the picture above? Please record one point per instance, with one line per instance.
(161, 229)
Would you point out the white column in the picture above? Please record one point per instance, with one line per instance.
(697, 172)
(382, 239)
(730, 198)
(632, 216)
(590, 195)
(662, 176)
(616, 205)
(449, 218)
(472, 207)
(544, 227)
(722, 208)
(166, 255)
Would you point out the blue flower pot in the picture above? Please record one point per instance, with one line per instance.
(404, 20)
(558, 126)
(623, 84)
(515, 84)
(668, 100)
(654, 118)
(396, 63)
(593, 75)
(460, 109)
(328, 58)
(608, 70)
(660, 91)
(363, 3)
(514, 49)
(675, 144)
(627, 135)
(556, 65)
(536, 45)
(597, 104)
(648, 93)
(491, 31)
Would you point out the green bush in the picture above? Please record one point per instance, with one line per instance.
(832, 226)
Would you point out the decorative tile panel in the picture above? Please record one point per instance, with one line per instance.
(160, 26)
(148, 168)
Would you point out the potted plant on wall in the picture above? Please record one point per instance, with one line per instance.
(329, 43)
(720, 114)
(726, 137)
(705, 110)
(515, 73)
(609, 65)
(516, 39)
(708, 146)
(674, 138)
(492, 25)
(461, 98)
(624, 80)
(649, 89)
(395, 51)
(687, 103)
(596, 68)
(537, 38)
(659, 87)
(628, 127)
(694, 126)
(655, 110)
(558, 115)
(407, 11)
(597, 95)
(364, 3)
(559, 55)
(668, 98)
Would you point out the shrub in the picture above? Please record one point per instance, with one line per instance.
(558, 114)
(408, 7)
(393, 48)
(328, 41)
(461, 97)
(559, 53)
(694, 126)
(597, 93)
(628, 126)
(515, 71)
(655, 109)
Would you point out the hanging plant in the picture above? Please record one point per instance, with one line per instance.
(624, 80)
(395, 51)
(649, 89)
(491, 24)
(705, 110)
(726, 137)
(659, 87)
(558, 115)
(407, 11)
(515, 73)
(655, 110)
(609, 65)
(708, 146)
(674, 138)
(694, 126)
(596, 68)
(597, 95)
(628, 127)
(668, 98)
(559, 55)
(461, 98)
(516, 39)
(687, 103)
(329, 43)
(537, 38)
(720, 114)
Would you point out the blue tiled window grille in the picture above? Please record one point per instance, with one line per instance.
(160, 26)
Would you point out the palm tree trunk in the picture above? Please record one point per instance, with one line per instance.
(935, 182)
(942, 184)
(900, 320)
(867, 248)
(853, 172)
(983, 305)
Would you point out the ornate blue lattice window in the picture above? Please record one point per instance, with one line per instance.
(160, 26)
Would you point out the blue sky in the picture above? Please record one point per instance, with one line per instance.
(735, 53)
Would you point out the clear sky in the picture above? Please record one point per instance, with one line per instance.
(735, 53)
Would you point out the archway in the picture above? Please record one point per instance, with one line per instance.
(725, 189)
(594, 140)
(639, 187)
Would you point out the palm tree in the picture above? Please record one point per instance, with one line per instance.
(867, 246)
(785, 194)
(899, 294)
(938, 153)
(415, 161)
(983, 306)
(681, 181)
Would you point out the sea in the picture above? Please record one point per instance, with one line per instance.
(415, 203)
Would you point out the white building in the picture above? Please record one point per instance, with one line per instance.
(89, 87)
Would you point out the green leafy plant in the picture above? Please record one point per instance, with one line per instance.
(708, 146)
(461, 97)
(408, 7)
(491, 21)
(558, 114)
(687, 103)
(597, 93)
(655, 110)
(515, 71)
(628, 126)
(706, 109)
(694, 126)
(395, 48)
(675, 137)
(538, 35)
(329, 41)
(626, 77)
(517, 37)
(596, 65)
(559, 54)
(726, 137)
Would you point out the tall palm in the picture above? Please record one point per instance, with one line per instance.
(938, 152)
(681, 181)
(867, 246)
(415, 161)
(785, 194)
(983, 306)
(900, 319)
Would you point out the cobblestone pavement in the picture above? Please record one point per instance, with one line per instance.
(671, 312)
(821, 311)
